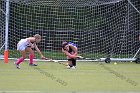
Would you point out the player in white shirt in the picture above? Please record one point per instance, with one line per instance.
(25, 46)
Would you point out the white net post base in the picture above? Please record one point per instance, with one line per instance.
(108, 60)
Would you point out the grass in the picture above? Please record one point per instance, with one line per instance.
(50, 77)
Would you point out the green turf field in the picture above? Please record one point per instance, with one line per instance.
(88, 77)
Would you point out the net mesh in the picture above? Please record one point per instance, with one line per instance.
(100, 28)
(2, 25)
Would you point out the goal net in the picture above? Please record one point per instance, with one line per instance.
(100, 28)
(2, 26)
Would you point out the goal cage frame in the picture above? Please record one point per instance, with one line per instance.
(107, 56)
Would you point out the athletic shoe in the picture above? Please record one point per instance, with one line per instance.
(73, 67)
(17, 66)
(32, 64)
(68, 67)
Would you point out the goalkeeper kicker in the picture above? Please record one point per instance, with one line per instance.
(70, 50)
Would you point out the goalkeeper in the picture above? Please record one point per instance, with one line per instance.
(25, 46)
(70, 50)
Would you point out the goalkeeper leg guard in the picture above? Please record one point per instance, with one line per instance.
(70, 62)
(74, 62)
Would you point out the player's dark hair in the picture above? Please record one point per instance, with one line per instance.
(64, 44)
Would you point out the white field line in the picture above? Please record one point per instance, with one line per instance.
(20, 91)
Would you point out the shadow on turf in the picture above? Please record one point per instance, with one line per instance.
(122, 77)
(47, 74)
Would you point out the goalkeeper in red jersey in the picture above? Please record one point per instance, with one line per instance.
(25, 46)
(70, 50)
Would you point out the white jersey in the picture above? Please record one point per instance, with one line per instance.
(22, 44)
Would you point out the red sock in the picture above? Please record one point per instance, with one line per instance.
(31, 56)
(19, 60)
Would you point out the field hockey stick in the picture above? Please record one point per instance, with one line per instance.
(49, 59)
(80, 57)
(61, 63)
(56, 61)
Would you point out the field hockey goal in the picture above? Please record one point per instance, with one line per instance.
(100, 28)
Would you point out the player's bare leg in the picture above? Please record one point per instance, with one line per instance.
(69, 64)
